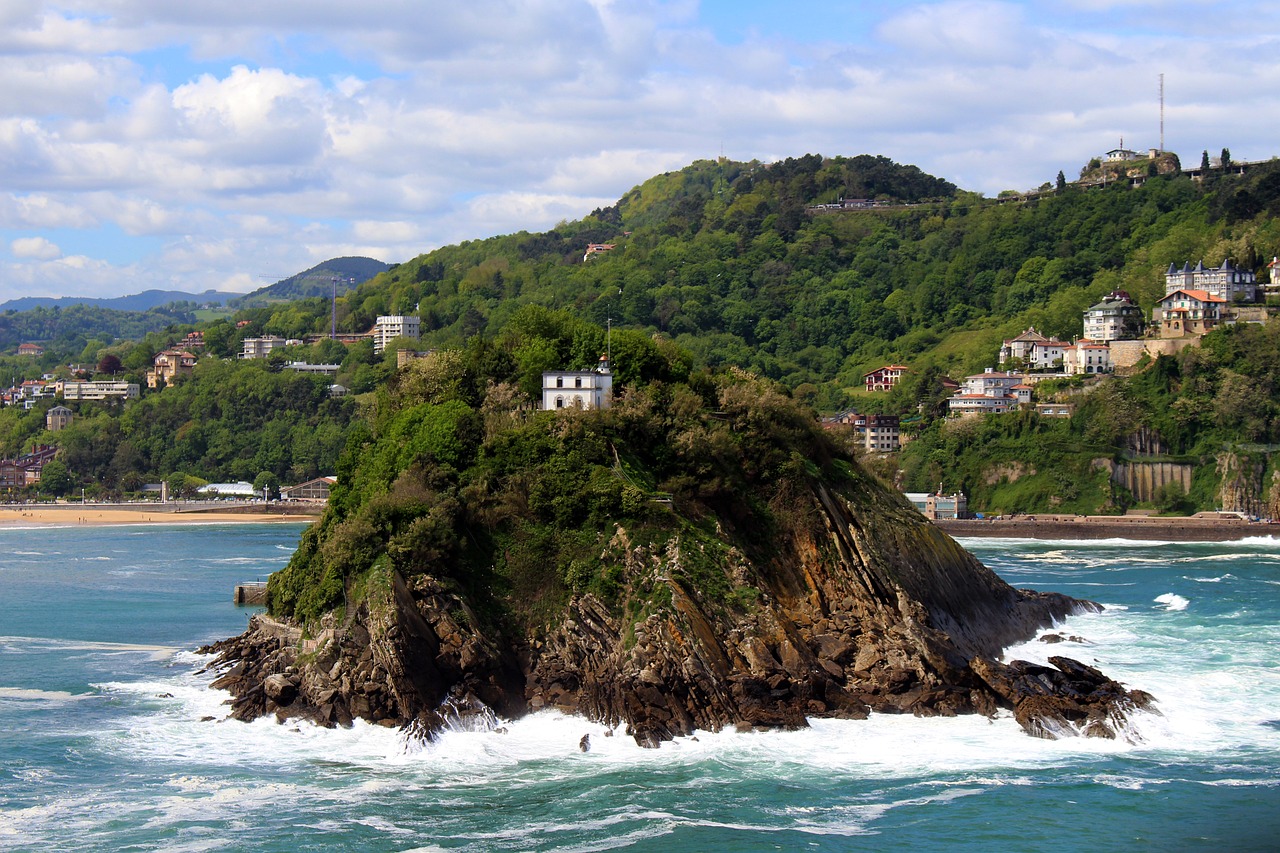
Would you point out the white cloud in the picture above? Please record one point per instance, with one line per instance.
(37, 248)
(246, 140)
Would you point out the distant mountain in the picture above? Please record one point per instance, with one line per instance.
(144, 301)
(317, 281)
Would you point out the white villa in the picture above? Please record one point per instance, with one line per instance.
(580, 389)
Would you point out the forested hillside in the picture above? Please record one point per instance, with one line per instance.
(724, 259)
(744, 264)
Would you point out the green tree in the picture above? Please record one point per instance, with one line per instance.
(1062, 181)
(267, 484)
(54, 478)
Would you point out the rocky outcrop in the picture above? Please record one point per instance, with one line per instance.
(858, 606)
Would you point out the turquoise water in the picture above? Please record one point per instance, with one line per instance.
(103, 745)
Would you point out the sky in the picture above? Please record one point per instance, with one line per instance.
(226, 145)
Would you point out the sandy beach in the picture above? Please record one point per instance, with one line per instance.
(107, 514)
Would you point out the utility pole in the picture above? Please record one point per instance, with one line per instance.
(333, 329)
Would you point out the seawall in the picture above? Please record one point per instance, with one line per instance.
(1111, 527)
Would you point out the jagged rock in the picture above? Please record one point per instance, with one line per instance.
(280, 689)
(1063, 700)
(858, 608)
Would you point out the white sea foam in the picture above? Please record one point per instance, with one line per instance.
(1172, 601)
(27, 694)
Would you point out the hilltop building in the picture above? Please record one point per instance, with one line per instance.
(392, 326)
(581, 389)
(1115, 318)
(1227, 282)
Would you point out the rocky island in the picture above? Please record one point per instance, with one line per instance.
(698, 555)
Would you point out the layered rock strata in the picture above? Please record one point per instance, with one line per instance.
(856, 609)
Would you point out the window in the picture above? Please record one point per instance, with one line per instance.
(559, 381)
(559, 402)
(577, 382)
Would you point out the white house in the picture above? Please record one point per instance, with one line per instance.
(1034, 350)
(578, 389)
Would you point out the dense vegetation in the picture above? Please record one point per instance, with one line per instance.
(457, 475)
(70, 329)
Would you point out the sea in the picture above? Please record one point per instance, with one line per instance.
(111, 738)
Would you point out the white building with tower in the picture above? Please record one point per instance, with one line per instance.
(578, 389)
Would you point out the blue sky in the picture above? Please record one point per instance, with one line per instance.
(147, 144)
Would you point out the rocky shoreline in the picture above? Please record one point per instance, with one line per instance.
(864, 609)
(1092, 527)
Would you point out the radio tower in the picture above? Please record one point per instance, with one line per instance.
(1162, 112)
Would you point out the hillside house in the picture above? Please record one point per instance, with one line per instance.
(875, 433)
(1087, 357)
(1034, 351)
(1227, 282)
(597, 248)
(59, 417)
(1115, 318)
(580, 389)
(990, 392)
(168, 366)
(884, 378)
(30, 349)
(1186, 313)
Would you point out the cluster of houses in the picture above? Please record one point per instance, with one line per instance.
(25, 470)
(1197, 300)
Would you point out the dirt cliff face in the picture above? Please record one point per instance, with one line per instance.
(858, 606)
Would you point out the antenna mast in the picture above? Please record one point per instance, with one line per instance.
(1161, 112)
